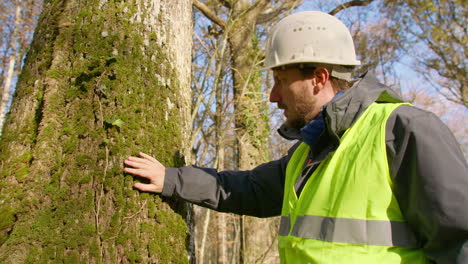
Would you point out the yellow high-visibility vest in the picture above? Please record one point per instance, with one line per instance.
(346, 212)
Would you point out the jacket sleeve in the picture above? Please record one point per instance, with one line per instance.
(258, 192)
(430, 182)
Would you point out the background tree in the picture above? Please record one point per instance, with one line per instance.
(237, 21)
(103, 80)
(211, 133)
(17, 22)
(393, 46)
(435, 35)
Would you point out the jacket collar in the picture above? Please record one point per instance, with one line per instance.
(340, 113)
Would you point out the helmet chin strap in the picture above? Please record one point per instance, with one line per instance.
(341, 72)
(337, 71)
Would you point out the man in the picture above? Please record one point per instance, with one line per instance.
(371, 180)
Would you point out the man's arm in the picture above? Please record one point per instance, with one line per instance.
(258, 192)
(430, 182)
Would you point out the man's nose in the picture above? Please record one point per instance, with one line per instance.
(274, 96)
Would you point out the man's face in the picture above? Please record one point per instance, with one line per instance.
(294, 93)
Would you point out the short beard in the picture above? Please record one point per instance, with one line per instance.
(303, 108)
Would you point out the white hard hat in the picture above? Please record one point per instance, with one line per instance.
(310, 37)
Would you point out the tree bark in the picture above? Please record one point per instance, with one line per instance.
(251, 110)
(221, 217)
(103, 80)
(251, 119)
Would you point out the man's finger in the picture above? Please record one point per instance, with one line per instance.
(146, 187)
(137, 172)
(148, 157)
(135, 159)
(134, 164)
(139, 160)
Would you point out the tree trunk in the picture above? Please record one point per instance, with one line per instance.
(251, 122)
(251, 108)
(221, 217)
(103, 80)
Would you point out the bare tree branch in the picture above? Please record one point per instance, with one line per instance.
(226, 4)
(269, 14)
(209, 13)
(350, 4)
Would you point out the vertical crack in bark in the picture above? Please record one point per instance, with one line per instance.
(98, 194)
(38, 115)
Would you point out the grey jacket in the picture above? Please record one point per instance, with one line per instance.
(429, 172)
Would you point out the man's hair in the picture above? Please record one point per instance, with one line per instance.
(337, 84)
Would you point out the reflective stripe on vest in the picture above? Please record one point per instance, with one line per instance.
(352, 231)
(347, 212)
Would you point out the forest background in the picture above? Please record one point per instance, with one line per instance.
(417, 47)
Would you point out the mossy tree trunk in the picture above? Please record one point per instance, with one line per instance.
(103, 80)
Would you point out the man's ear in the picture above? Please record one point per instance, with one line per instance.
(321, 77)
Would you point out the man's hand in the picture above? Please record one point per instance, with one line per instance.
(149, 168)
